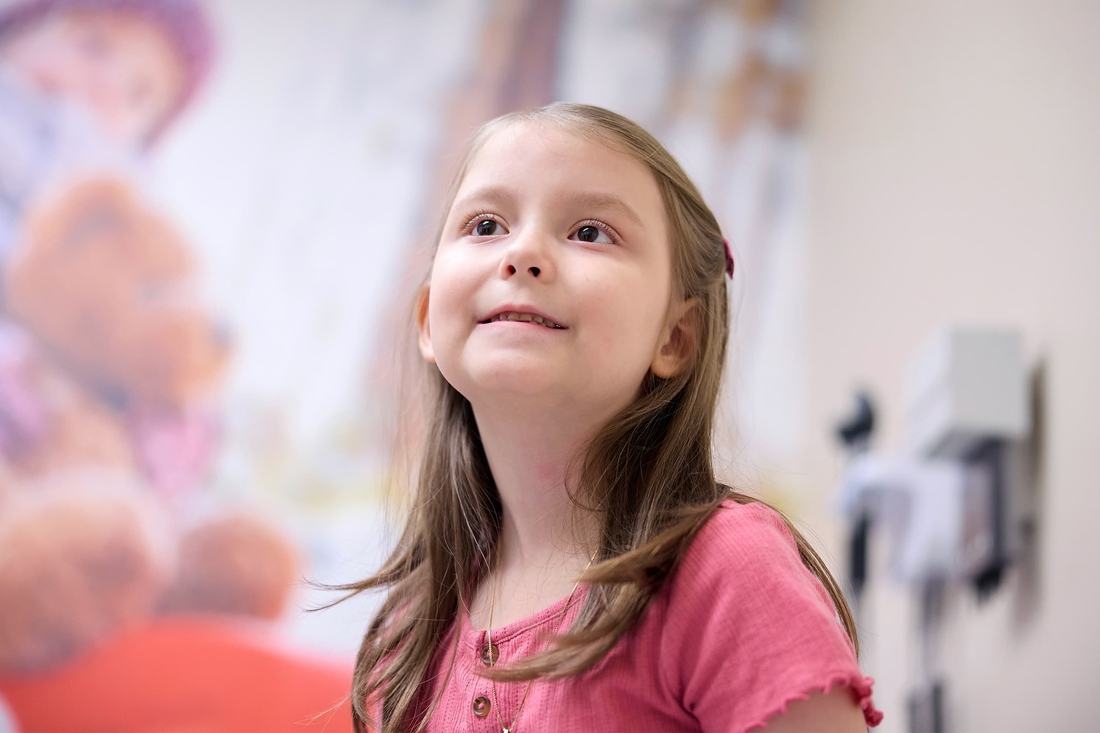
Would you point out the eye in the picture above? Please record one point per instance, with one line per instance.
(484, 225)
(592, 233)
(486, 228)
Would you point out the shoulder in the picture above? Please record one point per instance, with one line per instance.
(744, 563)
(743, 572)
(747, 627)
(751, 542)
(737, 524)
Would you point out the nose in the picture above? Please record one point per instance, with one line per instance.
(527, 254)
(535, 271)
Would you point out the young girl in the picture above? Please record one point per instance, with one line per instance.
(569, 562)
(133, 65)
(87, 85)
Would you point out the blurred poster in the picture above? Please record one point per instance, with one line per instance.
(722, 85)
(213, 215)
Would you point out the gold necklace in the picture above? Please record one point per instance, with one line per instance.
(493, 659)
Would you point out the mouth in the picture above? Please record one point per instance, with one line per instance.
(524, 316)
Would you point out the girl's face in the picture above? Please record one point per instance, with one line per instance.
(552, 278)
(118, 65)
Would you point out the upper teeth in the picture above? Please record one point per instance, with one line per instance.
(529, 317)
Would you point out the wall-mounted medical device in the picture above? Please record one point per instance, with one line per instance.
(948, 498)
(969, 402)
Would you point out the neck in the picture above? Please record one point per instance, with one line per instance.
(531, 459)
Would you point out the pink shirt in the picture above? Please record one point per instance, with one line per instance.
(741, 630)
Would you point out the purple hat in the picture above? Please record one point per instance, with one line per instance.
(184, 23)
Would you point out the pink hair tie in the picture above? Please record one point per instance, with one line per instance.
(729, 258)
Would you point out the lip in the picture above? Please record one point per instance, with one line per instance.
(512, 308)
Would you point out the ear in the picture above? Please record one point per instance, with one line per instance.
(423, 325)
(676, 347)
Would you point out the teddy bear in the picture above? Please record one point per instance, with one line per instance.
(108, 290)
(108, 369)
(108, 286)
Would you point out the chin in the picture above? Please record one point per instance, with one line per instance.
(504, 379)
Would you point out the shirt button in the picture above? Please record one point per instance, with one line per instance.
(490, 653)
(481, 706)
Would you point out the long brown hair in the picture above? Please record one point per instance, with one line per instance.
(648, 474)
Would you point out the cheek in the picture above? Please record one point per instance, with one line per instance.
(448, 308)
(626, 324)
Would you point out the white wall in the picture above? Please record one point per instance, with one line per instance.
(955, 177)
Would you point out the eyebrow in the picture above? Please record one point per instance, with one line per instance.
(585, 199)
(492, 194)
(596, 200)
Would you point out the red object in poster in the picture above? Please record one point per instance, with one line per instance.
(186, 674)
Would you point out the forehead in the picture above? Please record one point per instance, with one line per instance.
(543, 160)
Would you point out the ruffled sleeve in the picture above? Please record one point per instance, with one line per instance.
(750, 628)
